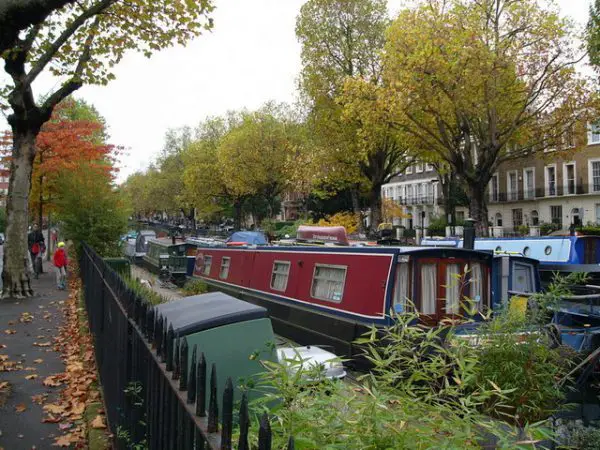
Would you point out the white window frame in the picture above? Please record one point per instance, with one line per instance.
(314, 277)
(546, 180)
(207, 265)
(224, 259)
(289, 266)
(594, 136)
(419, 168)
(409, 170)
(591, 174)
(527, 195)
(497, 177)
(428, 167)
(509, 191)
(566, 181)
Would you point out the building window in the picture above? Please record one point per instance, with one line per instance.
(453, 287)
(408, 170)
(498, 219)
(328, 282)
(224, 272)
(594, 133)
(596, 176)
(529, 183)
(460, 216)
(556, 214)
(207, 264)
(597, 213)
(551, 180)
(517, 217)
(569, 176)
(494, 188)
(535, 218)
(279, 275)
(569, 137)
(428, 167)
(402, 288)
(513, 187)
(409, 192)
(428, 288)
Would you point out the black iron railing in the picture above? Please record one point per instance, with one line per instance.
(150, 398)
(552, 190)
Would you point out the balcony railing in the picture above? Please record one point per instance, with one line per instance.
(417, 200)
(557, 190)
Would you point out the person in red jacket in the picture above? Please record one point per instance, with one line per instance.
(60, 262)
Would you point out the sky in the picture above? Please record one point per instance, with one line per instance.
(250, 57)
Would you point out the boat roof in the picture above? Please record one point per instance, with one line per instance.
(249, 237)
(334, 235)
(206, 311)
(166, 242)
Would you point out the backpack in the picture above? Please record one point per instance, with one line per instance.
(35, 248)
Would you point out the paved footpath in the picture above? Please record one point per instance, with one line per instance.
(27, 331)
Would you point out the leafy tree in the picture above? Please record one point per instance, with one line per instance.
(340, 39)
(90, 209)
(79, 42)
(593, 34)
(478, 83)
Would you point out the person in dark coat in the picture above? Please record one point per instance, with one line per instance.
(37, 246)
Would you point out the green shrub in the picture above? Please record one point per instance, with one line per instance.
(589, 230)
(195, 287)
(523, 230)
(144, 292)
(585, 438)
(437, 226)
(547, 228)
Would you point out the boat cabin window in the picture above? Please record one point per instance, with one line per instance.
(428, 288)
(476, 286)
(401, 289)
(207, 264)
(453, 282)
(225, 262)
(328, 282)
(279, 276)
(522, 277)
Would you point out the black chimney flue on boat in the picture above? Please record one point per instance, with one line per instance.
(469, 234)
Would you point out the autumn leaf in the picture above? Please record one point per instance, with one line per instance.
(42, 344)
(10, 331)
(54, 409)
(38, 361)
(51, 381)
(50, 419)
(32, 376)
(3, 357)
(98, 422)
(63, 441)
(4, 385)
(20, 407)
(39, 399)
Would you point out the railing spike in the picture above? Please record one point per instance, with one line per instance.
(201, 387)
(169, 347)
(213, 406)
(244, 423)
(176, 359)
(227, 420)
(264, 433)
(291, 445)
(191, 391)
(183, 365)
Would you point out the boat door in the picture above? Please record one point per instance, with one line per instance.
(247, 266)
(442, 285)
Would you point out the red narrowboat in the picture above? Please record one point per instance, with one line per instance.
(330, 295)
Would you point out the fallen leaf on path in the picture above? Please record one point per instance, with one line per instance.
(29, 369)
(11, 322)
(50, 419)
(65, 426)
(3, 357)
(63, 441)
(4, 385)
(42, 344)
(20, 407)
(54, 409)
(98, 422)
(2, 345)
(32, 376)
(39, 399)
(38, 361)
(26, 317)
(10, 331)
(51, 381)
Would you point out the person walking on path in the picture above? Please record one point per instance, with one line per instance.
(60, 263)
(35, 240)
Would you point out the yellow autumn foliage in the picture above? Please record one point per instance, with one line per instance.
(344, 219)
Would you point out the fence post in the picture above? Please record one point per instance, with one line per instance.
(183, 364)
(291, 445)
(169, 349)
(191, 392)
(244, 423)
(150, 325)
(201, 387)
(213, 406)
(227, 421)
(176, 359)
(264, 433)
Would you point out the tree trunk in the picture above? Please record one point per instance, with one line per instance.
(237, 207)
(356, 207)
(41, 199)
(478, 207)
(15, 275)
(375, 206)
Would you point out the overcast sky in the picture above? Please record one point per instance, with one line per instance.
(250, 57)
